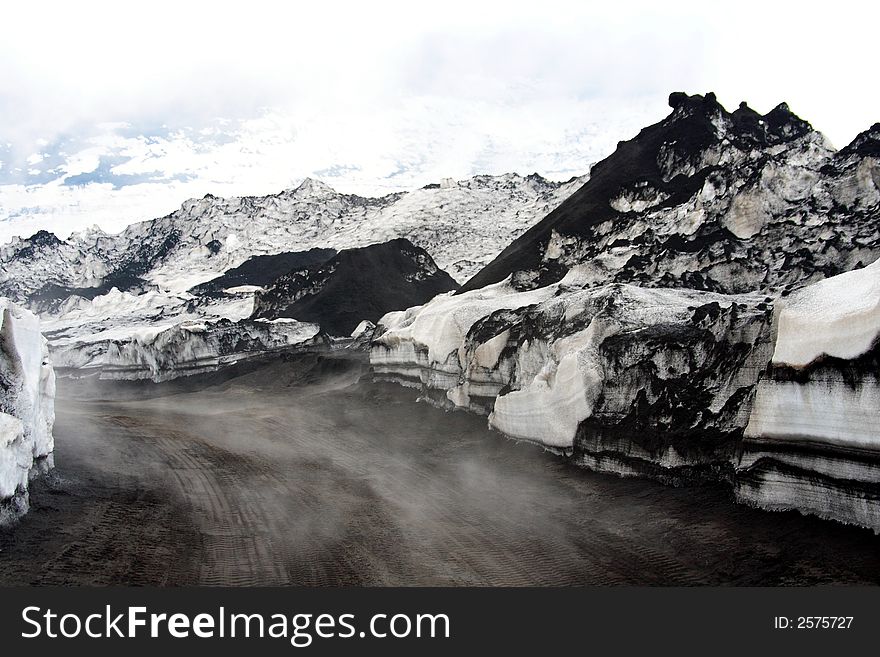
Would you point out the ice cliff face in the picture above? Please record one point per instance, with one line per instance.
(27, 392)
(779, 397)
(700, 308)
(813, 439)
(622, 378)
(185, 349)
(83, 332)
(355, 285)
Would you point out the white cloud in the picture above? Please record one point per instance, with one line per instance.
(379, 152)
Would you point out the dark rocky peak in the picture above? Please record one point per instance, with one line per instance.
(746, 119)
(44, 238)
(356, 284)
(777, 126)
(704, 115)
(784, 125)
(866, 144)
(694, 187)
(684, 105)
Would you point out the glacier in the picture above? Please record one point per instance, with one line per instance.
(673, 384)
(705, 307)
(27, 412)
(223, 259)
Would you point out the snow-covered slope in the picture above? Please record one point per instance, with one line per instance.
(461, 224)
(207, 261)
(813, 439)
(713, 200)
(27, 412)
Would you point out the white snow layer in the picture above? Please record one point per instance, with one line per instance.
(551, 407)
(823, 424)
(838, 317)
(187, 348)
(27, 393)
(825, 411)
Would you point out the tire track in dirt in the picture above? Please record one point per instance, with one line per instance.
(285, 478)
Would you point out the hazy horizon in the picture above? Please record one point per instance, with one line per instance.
(118, 114)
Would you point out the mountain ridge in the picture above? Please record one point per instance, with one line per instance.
(739, 177)
(462, 224)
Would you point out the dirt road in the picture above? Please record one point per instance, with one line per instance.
(299, 474)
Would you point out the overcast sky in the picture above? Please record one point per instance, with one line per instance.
(116, 112)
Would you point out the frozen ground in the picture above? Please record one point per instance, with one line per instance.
(297, 474)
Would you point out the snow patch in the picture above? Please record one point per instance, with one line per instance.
(366, 327)
(838, 317)
(551, 407)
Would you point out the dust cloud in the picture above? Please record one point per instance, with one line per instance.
(304, 472)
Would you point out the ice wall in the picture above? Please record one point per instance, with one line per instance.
(184, 349)
(813, 439)
(622, 378)
(27, 412)
(778, 396)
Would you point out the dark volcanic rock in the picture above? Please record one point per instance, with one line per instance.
(264, 269)
(354, 285)
(714, 200)
(50, 296)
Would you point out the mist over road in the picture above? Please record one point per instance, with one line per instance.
(303, 473)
